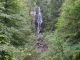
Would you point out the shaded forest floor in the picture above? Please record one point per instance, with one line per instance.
(40, 43)
(37, 46)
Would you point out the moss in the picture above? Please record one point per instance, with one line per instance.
(76, 56)
(5, 55)
(53, 58)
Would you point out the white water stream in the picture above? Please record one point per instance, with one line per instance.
(39, 20)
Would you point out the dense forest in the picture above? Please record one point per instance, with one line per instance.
(59, 33)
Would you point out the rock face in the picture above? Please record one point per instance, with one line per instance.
(33, 16)
(37, 17)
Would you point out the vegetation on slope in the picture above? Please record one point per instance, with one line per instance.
(61, 32)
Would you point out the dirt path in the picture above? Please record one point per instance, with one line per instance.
(40, 43)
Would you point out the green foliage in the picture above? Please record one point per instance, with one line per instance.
(13, 21)
(66, 36)
(51, 12)
(14, 28)
(64, 43)
(17, 41)
(76, 56)
(9, 52)
(5, 55)
(68, 24)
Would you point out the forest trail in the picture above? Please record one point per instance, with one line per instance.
(41, 46)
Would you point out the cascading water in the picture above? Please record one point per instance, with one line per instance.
(39, 20)
(40, 44)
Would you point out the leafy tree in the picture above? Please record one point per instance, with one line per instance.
(51, 12)
(14, 27)
(13, 20)
(68, 23)
(67, 31)
(65, 41)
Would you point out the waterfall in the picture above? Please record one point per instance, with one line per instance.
(40, 43)
(39, 20)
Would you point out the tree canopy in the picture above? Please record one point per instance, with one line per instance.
(60, 30)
